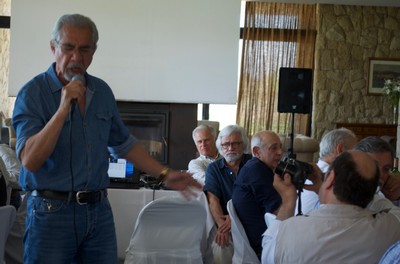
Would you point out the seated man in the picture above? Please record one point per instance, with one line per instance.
(253, 194)
(204, 138)
(232, 144)
(332, 144)
(327, 234)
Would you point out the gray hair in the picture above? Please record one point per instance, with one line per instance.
(75, 20)
(203, 128)
(374, 145)
(226, 131)
(333, 138)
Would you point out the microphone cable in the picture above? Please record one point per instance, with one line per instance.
(71, 113)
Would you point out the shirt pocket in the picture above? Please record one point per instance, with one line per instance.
(103, 123)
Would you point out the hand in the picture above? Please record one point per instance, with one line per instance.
(284, 187)
(391, 188)
(223, 239)
(225, 224)
(74, 90)
(317, 178)
(183, 182)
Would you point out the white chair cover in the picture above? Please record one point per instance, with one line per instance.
(243, 253)
(7, 217)
(168, 230)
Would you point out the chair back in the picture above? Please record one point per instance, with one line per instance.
(243, 252)
(7, 217)
(168, 230)
(392, 255)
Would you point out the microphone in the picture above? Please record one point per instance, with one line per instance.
(81, 78)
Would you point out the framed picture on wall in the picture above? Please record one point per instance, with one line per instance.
(379, 71)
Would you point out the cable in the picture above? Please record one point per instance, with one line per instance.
(71, 113)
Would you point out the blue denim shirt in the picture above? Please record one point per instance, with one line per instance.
(80, 158)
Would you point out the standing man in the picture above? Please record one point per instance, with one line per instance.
(204, 138)
(66, 122)
(341, 230)
(253, 193)
(232, 144)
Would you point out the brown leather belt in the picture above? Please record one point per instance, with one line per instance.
(81, 197)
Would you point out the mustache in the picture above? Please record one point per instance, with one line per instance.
(74, 66)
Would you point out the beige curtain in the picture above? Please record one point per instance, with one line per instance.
(275, 35)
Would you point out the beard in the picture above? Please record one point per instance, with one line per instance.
(231, 157)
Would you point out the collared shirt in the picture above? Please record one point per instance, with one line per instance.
(334, 233)
(80, 157)
(253, 196)
(220, 179)
(198, 167)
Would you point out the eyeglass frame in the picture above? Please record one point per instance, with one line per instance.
(233, 144)
(69, 49)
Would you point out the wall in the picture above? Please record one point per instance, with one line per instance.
(6, 103)
(347, 37)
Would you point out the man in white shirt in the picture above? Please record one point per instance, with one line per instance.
(204, 138)
(332, 144)
(341, 230)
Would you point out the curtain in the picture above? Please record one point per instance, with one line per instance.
(274, 35)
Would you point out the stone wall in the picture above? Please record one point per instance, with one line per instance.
(6, 103)
(347, 36)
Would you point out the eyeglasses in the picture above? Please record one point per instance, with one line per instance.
(69, 49)
(231, 144)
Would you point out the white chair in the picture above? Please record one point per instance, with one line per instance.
(168, 230)
(243, 253)
(7, 217)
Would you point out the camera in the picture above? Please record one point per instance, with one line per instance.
(298, 170)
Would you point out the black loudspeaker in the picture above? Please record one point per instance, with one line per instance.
(295, 85)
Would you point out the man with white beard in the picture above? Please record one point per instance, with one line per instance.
(233, 146)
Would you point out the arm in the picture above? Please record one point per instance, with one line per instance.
(39, 147)
(288, 194)
(223, 222)
(177, 180)
(380, 203)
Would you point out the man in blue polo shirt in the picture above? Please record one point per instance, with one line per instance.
(253, 193)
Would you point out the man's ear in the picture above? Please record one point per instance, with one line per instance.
(330, 180)
(256, 151)
(339, 148)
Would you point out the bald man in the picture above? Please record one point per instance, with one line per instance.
(341, 230)
(253, 194)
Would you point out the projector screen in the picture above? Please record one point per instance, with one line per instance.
(178, 51)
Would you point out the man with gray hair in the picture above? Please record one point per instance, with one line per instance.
(204, 139)
(253, 194)
(67, 123)
(233, 145)
(332, 144)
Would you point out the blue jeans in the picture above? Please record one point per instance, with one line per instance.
(61, 232)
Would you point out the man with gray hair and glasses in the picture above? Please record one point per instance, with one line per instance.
(67, 122)
(332, 144)
(233, 146)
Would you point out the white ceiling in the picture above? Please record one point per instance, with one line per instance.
(341, 2)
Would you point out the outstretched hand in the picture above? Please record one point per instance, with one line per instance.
(183, 182)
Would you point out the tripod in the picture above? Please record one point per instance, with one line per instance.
(291, 155)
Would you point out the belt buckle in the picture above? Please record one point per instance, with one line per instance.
(78, 198)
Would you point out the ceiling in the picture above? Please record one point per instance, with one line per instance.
(342, 2)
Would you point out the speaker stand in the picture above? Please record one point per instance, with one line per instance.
(291, 155)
